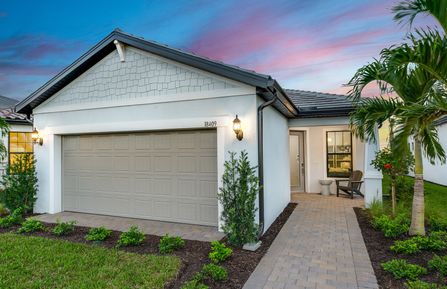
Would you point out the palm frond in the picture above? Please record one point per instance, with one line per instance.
(406, 11)
(370, 113)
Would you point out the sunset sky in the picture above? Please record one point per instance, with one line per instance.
(304, 44)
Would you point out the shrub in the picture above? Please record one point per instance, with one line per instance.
(402, 269)
(64, 228)
(375, 208)
(133, 237)
(392, 227)
(98, 234)
(437, 224)
(20, 183)
(194, 284)
(433, 242)
(3, 210)
(219, 252)
(421, 285)
(238, 195)
(438, 264)
(215, 272)
(13, 219)
(31, 225)
(169, 244)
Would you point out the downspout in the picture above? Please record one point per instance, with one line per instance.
(261, 160)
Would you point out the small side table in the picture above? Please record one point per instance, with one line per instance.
(325, 187)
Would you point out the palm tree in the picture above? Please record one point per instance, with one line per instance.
(4, 129)
(417, 73)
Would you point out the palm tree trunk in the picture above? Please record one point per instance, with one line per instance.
(417, 216)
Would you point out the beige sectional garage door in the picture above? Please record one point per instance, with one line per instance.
(169, 176)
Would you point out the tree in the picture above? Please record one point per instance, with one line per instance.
(417, 73)
(4, 130)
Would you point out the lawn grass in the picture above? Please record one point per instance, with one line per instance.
(435, 198)
(36, 262)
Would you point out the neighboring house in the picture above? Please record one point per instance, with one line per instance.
(18, 141)
(138, 129)
(437, 172)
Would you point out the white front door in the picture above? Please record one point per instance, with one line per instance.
(297, 161)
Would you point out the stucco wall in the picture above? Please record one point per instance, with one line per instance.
(437, 173)
(276, 164)
(315, 138)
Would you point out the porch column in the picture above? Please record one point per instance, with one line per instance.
(372, 178)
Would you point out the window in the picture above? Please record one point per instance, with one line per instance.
(19, 143)
(339, 153)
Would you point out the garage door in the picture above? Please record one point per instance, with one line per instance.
(168, 176)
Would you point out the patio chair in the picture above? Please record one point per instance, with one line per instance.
(352, 185)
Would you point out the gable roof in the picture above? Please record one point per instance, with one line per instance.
(265, 84)
(6, 111)
(318, 104)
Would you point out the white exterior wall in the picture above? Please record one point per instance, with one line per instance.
(315, 155)
(96, 102)
(276, 164)
(437, 173)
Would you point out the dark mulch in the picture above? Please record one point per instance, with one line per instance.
(379, 251)
(194, 255)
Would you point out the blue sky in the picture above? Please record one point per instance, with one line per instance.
(304, 44)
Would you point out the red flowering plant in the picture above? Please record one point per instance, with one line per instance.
(395, 165)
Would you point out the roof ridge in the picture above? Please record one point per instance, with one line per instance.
(312, 91)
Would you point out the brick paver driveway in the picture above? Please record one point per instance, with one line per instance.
(320, 246)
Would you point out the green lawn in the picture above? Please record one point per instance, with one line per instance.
(435, 198)
(35, 262)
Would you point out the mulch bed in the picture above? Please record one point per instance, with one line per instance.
(378, 249)
(194, 255)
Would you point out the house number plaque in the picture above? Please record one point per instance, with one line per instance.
(210, 123)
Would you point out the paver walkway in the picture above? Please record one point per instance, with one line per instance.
(186, 231)
(320, 247)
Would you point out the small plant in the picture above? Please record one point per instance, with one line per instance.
(64, 228)
(133, 237)
(215, 272)
(31, 225)
(422, 285)
(375, 208)
(13, 219)
(20, 183)
(219, 252)
(409, 246)
(438, 264)
(169, 244)
(437, 224)
(194, 284)
(392, 227)
(401, 269)
(434, 242)
(98, 234)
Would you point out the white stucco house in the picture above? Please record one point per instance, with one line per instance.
(137, 129)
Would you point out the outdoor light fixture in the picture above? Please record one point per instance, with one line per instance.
(238, 128)
(37, 139)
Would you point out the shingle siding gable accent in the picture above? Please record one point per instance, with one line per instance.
(140, 76)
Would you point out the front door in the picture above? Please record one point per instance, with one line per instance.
(297, 161)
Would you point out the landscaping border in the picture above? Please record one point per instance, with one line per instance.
(193, 256)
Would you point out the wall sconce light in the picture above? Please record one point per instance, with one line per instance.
(37, 139)
(238, 128)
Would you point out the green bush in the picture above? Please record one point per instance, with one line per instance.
(194, 284)
(13, 219)
(237, 196)
(20, 183)
(434, 242)
(133, 237)
(219, 252)
(31, 225)
(64, 228)
(422, 285)
(215, 272)
(392, 227)
(3, 210)
(375, 208)
(98, 234)
(437, 224)
(401, 269)
(438, 264)
(169, 244)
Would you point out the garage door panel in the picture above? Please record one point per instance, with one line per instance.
(169, 176)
